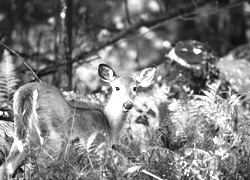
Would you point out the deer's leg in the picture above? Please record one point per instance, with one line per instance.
(66, 137)
(17, 154)
(18, 149)
(66, 145)
(63, 152)
(55, 145)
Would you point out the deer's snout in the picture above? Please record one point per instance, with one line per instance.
(128, 105)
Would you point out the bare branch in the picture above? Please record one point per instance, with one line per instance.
(127, 12)
(100, 26)
(53, 69)
(179, 12)
(1, 37)
(182, 12)
(217, 11)
(19, 57)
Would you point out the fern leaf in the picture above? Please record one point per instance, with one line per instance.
(8, 80)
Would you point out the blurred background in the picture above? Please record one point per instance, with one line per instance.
(64, 41)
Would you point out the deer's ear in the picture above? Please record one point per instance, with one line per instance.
(146, 75)
(106, 73)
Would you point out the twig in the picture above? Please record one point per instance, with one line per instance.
(19, 57)
(127, 12)
(1, 37)
(151, 155)
(100, 26)
(70, 132)
(186, 17)
(150, 174)
(94, 59)
(47, 153)
(51, 69)
(213, 12)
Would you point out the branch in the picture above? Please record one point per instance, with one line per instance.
(53, 69)
(100, 26)
(19, 57)
(179, 12)
(217, 11)
(150, 174)
(127, 12)
(1, 37)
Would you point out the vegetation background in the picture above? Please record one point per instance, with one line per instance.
(174, 131)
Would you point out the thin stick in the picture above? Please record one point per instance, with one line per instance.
(1, 37)
(19, 57)
(150, 174)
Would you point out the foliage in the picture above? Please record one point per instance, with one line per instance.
(236, 73)
(216, 147)
(8, 80)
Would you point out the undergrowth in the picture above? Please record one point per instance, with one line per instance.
(210, 141)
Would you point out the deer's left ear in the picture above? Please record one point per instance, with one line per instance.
(146, 75)
(106, 73)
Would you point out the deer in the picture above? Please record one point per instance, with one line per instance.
(43, 117)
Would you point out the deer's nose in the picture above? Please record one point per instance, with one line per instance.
(128, 105)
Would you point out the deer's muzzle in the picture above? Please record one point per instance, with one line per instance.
(127, 105)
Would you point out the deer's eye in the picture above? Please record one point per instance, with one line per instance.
(134, 88)
(117, 88)
(139, 110)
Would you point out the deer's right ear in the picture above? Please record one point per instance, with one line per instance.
(146, 76)
(106, 73)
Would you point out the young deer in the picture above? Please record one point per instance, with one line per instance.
(44, 118)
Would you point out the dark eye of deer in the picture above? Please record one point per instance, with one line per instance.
(134, 88)
(117, 88)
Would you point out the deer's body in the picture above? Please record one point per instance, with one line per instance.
(43, 117)
(54, 121)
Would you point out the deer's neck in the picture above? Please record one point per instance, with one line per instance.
(115, 116)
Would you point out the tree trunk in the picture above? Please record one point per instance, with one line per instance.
(66, 18)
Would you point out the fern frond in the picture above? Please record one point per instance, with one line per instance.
(8, 80)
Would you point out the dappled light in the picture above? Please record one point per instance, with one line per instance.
(125, 89)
